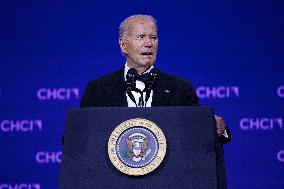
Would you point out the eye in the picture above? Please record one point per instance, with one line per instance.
(154, 37)
(140, 37)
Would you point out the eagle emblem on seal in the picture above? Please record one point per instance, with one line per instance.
(137, 147)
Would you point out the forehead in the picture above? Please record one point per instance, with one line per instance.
(139, 26)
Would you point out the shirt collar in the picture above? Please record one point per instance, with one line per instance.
(126, 68)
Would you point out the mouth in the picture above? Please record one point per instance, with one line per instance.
(146, 53)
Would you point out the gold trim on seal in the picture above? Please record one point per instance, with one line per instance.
(161, 139)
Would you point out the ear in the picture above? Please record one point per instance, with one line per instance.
(122, 45)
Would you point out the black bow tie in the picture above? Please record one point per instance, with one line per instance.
(143, 77)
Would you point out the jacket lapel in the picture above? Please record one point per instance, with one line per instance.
(163, 92)
(115, 90)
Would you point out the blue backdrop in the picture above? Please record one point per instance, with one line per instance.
(232, 51)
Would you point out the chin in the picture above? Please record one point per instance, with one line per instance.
(148, 63)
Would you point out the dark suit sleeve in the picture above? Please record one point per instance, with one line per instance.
(190, 96)
(88, 99)
(191, 99)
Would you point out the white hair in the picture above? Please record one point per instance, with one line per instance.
(123, 28)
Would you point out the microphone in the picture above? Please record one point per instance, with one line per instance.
(131, 78)
(151, 82)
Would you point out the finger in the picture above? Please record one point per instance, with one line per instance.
(217, 119)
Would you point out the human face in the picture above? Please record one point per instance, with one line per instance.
(140, 45)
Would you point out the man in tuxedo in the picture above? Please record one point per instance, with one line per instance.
(139, 84)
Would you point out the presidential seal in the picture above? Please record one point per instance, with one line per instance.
(137, 147)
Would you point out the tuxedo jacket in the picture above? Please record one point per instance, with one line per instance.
(110, 91)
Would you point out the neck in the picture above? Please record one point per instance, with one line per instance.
(140, 70)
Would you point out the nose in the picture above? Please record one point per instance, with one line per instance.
(148, 42)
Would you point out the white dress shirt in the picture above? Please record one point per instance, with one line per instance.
(139, 85)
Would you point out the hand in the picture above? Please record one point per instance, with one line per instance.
(220, 125)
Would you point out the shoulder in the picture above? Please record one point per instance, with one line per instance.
(183, 91)
(98, 90)
(174, 80)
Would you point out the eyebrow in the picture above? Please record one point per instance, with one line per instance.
(151, 35)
